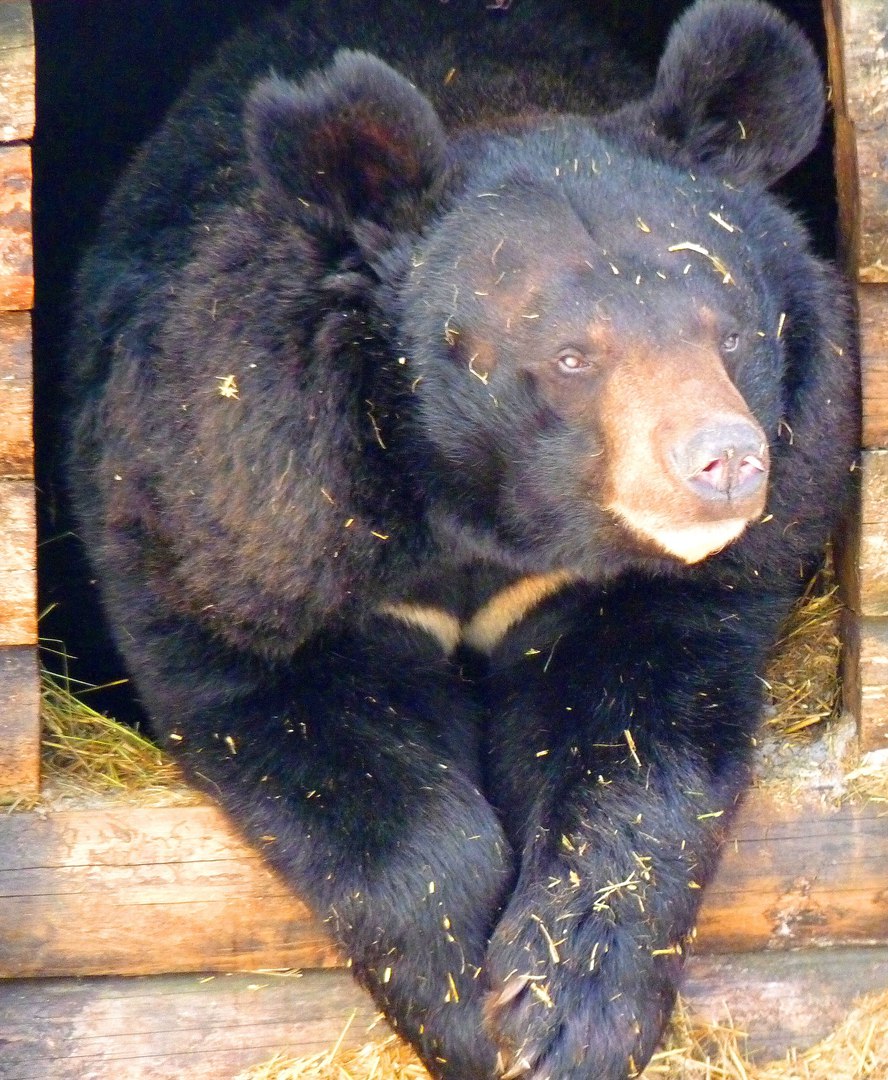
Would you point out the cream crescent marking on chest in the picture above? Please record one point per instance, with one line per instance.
(491, 622)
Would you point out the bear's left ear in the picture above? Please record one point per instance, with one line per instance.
(740, 89)
(354, 141)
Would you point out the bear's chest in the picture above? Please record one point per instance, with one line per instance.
(475, 607)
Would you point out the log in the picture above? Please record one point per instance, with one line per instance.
(866, 680)
(18, 563)
(150, 890)
(873, 306)
(798, 875)
(202, 1028)
(16, 71)
(16, 248)
(868, 587)
(856, 32)
(19, 724)
(207, 1028)
(144, 890)
(16, 397)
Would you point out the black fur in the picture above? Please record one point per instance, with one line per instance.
(285, 426)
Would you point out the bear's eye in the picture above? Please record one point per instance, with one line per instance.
(572, 360)
(730, 342)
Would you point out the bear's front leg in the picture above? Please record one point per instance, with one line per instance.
(620, 737)
(354, 769)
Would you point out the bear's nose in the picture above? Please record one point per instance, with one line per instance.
(724, 462)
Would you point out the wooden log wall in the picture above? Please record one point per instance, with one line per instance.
(208, 1028)
(93, 892)
(19, 680)
(857, 32)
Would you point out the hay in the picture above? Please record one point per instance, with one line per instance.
(383, 1059)
(88, 757)
(856, 1050)
(803, 676)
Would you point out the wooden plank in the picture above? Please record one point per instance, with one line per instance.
(871, 541)
(845, 148)
(209, 1028)
(783, 1000)
(141, 890)
(185, 1026)
(18, 563)
(859, 75)
(873, 307)
(16, 397)
(866, 680)
(798, 875)
(16, 248)
(19, 724)
(16, 70)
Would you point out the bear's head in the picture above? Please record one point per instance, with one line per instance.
(594, 315)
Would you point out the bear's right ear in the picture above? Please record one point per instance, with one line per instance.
(355, 141)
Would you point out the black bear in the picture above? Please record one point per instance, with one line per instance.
(449, 444)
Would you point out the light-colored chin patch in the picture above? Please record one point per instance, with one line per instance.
(691, 543)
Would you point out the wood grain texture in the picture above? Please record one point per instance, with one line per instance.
(16, 247)
(16, 70)
(868, 589)
(167, 1028)
(18, 563)
(206, 1028)
(858, 30)
(866, 680)
(795, 876)
(16, 397)
(873, 307)
(845, 147)
(19, 724)
(145, 890)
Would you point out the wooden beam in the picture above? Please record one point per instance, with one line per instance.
(845, 147)
(859, 75)
(206, 1028)
(800, 875)
(783, 1000)
(202, 1028)
(873, 307)
(16, 397)
(18, 563)
(868, 588)
(17, 64)
(866, 679)
(142, 890)
(19, 724)
(16, 248)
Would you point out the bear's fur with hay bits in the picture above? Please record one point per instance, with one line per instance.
(448, 457)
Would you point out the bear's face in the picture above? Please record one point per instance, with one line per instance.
(590, 316)
(594, 346)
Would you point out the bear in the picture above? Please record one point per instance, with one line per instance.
(456, 415)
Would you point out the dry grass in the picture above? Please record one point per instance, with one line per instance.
(803, 676)
(87, 755)
(381, 1059)
(857, 1050)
